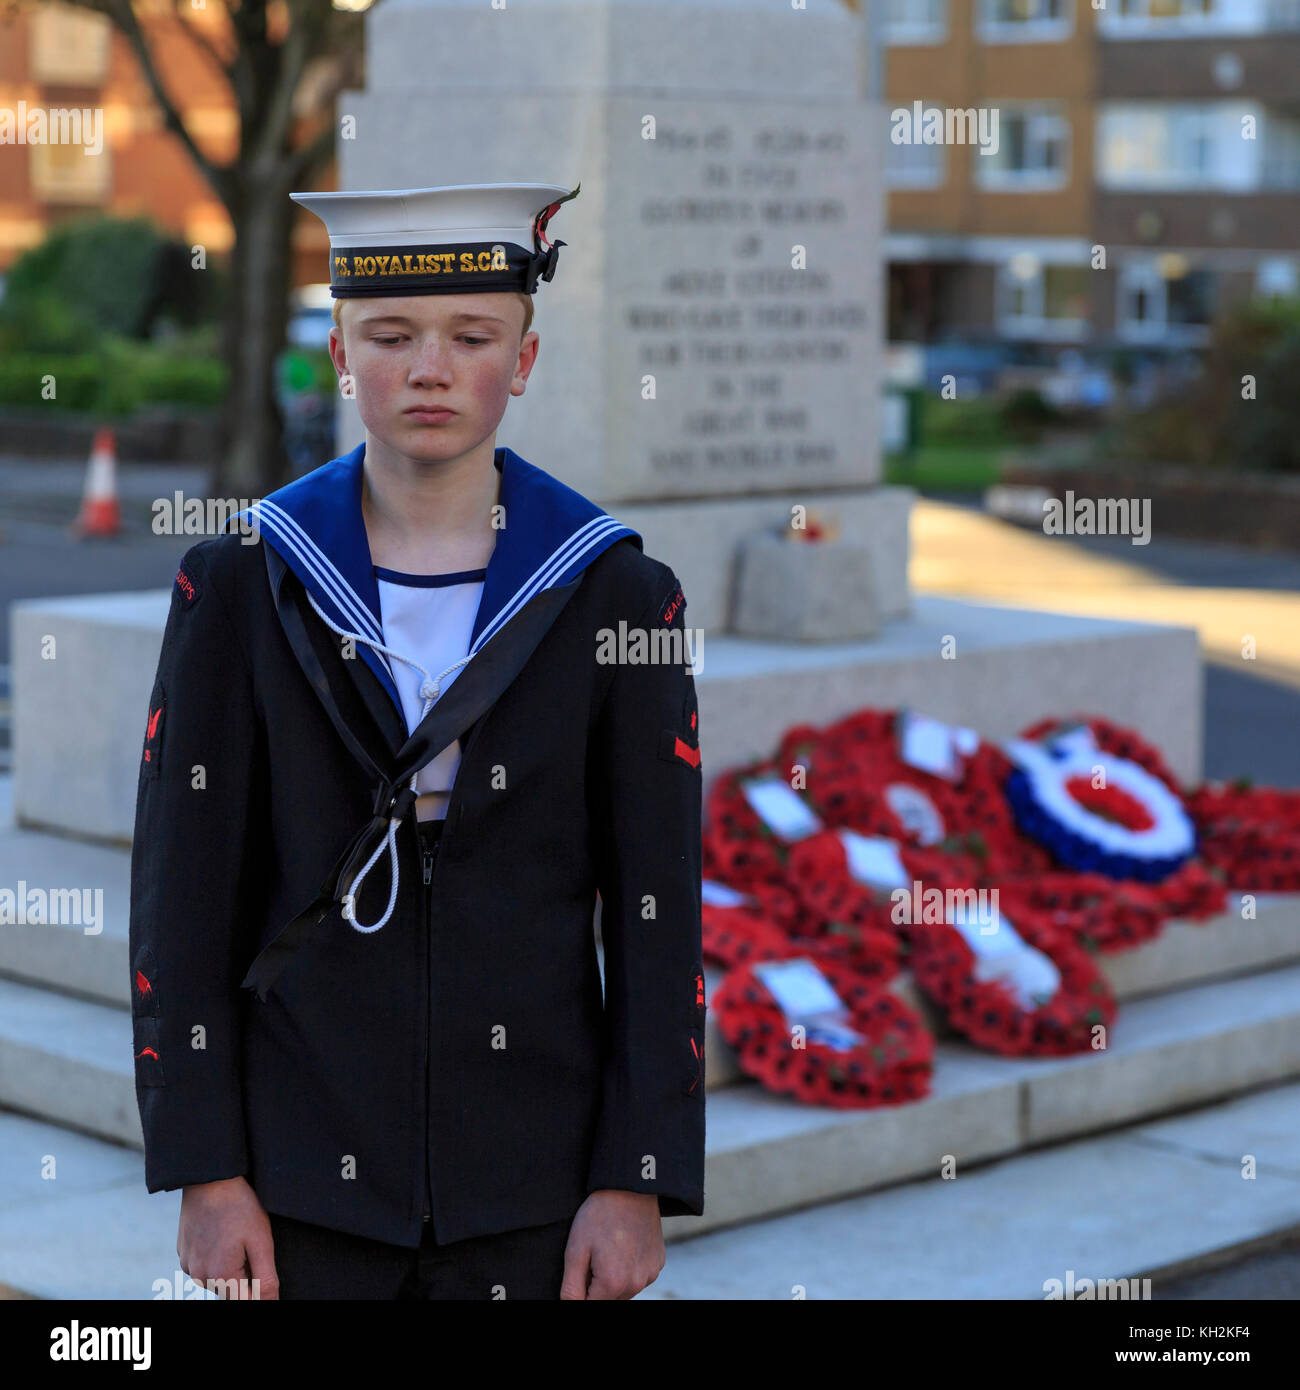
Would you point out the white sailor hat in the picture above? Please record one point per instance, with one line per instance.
(458, 239)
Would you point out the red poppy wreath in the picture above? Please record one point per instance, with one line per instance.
(1023, 990)
(815, 1030)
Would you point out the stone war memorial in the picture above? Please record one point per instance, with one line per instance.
(711, 372)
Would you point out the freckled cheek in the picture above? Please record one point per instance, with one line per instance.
(380, 380)
(489, 382)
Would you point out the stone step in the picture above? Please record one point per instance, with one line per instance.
(768, 1154)
(68, 1060)
(87, 953)
(1157, 1200)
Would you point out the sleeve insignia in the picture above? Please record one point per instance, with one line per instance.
(184, 587)
(673, 605)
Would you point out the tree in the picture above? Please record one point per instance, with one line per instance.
(277, 58)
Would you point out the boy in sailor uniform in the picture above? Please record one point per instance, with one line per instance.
(389, 765)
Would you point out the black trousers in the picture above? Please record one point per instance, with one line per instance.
(316, 1262)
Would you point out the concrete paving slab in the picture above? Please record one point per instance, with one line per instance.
(42, 1162)
(1114, 1207)
(90, 1232)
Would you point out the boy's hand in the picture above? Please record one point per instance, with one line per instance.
(617, 1240)
(225, 1234)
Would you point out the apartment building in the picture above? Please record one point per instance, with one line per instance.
(115, 156)
(1145, 170)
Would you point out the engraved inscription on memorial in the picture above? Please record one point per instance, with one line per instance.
(750, 341)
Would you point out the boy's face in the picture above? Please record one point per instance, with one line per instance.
(433, 373)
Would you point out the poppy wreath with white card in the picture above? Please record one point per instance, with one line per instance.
(745, 847)
(915, 780)
(755, 820)
(850, 909)
(835, 909)
(1034, 991)
(817, 1031)
(1016, 988)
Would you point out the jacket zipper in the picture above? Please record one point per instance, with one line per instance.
(428, 856)
(428, 866)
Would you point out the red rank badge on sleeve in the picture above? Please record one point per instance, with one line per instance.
(683, 743)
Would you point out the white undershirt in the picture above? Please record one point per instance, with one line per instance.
(429, 618)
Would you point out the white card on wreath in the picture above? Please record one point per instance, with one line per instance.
(799, 988)
(874, 860)
(1028, 976)
(988, 934)
(916, 812)
(719, 895)
(835, 1035)
(808, 1000)
(966, 741)
(779, 808)
(928, 744)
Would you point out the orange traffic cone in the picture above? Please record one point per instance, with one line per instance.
(100, 514)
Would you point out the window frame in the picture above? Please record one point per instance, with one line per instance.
(994, 180)
(990, 29)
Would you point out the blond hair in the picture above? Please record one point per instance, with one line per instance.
(527, 301)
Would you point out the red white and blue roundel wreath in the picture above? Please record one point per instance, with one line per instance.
(1095, 812)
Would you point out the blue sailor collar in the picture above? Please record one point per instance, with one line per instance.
(315, 523)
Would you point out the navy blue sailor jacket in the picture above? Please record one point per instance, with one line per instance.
(462, 1062)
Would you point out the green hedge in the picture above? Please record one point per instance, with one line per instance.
(974, 421)
(117, 380)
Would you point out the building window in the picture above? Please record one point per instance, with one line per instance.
(1156, 146)
(914, 164)
(66, 173)
(1025, 21)
(1275, 277)
(1031, 153)
(1157, 18)
(1164, 9)
(1280, 166)
(1164, 301)
(1049, 302)
(916, 21)
(68, 46)
(1163, 16)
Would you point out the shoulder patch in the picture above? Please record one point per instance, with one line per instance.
(184, 587)
(672, 605)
